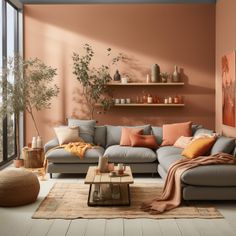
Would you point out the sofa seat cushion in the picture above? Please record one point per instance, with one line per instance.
(125, 154)
(167, 155)
(211, 175)
(62, 156)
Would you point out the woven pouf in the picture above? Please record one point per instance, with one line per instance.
(18, 187)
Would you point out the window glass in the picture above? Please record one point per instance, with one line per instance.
(1, 125)
(10, 53)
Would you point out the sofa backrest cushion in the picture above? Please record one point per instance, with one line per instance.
(223, 144)
(100, 134)
(195, 127)
(86, 128)
(203, 131)
(157, 132)
(114, 133)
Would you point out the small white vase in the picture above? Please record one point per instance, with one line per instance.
(34, 143)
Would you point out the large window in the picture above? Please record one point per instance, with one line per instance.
(10, 16)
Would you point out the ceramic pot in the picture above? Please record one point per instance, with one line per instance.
(176, 75)
(155, 73)
(18, 163)
(117, 76)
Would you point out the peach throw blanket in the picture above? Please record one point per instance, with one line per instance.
(172, 193)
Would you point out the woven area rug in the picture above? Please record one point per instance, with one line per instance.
(69, 201)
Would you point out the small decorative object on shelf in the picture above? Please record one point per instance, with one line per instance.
(148, 80)
(176, 99)
(128, 100)
(122, 101)
(164, 77)
(155, 73)
(116, 76)
(149, 99)
(124, 80)
(117, 101)
(176, 75)
(166, 100)
(170, 100)
(103, 164)
(144, 99)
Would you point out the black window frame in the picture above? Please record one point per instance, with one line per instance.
(4, 56)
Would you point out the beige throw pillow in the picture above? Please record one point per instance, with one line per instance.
(183, 142)
(66, 134)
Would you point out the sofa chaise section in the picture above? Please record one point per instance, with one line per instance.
(211, 182)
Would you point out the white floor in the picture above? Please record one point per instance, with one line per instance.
(17, 221)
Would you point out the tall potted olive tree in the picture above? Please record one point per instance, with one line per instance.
(94, 80)
(26, 86)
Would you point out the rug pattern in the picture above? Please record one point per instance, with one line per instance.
(69, 201)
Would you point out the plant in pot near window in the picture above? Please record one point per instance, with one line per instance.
(94, 80)
(26, 86)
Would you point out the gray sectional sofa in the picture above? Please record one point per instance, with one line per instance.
(215, 182)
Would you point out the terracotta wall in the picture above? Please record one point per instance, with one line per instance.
(166, 34)
(225, 43)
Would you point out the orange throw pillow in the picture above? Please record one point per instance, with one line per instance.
(171, 132)
(126, 131)
(138, 140)
(198, 147)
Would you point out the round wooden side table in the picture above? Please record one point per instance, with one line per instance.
(34, 160)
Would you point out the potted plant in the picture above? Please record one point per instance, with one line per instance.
(94, 80)
(164, 77)
(26, 86)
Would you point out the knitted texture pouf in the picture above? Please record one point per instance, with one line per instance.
(18, 187)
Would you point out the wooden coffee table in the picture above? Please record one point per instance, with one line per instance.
(106, 190)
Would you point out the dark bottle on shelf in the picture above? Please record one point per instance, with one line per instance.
(117, 76)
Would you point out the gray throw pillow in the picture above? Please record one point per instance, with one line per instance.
(114, 133)
(158, 133)
(203, 131)
(195, 127)
(223, 144)
(100, 135)
(86, 128)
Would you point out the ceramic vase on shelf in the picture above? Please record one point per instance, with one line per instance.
(176, 75)
(155, 73)
(117, 76)
(148, 80)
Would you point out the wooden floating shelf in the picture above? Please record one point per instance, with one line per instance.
(145, 84)
(147, 105)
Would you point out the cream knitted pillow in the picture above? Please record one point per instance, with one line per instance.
(66, 134)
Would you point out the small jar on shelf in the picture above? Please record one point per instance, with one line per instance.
(149, 99)
(170, 100)
(166, 100)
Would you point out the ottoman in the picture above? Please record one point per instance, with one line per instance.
(18, 187)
